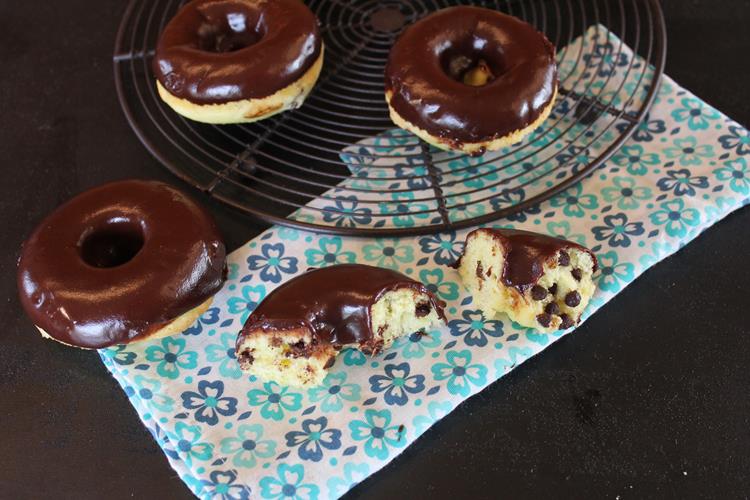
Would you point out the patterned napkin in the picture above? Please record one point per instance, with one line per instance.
(229, 435)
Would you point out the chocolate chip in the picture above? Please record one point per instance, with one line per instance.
(552, 308)
(246, 358)
(422, 310)
(563, 259)
(577, 274)
(298, 350)
(553, 289)
(567, 321)
(573, 299)
(544, 319)
(330, 362)
(480, 271)
(538, 292)
(489, 272)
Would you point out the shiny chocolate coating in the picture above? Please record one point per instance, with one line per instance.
(217, 51)
(332, 302)
(427, 63)
(118, 262)
(526, 254)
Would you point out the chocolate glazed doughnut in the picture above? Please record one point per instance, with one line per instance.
(471, 79)
(539, 281)
(295, 334)
(119, 263)
(232, 61)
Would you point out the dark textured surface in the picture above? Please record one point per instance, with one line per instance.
(648, 399)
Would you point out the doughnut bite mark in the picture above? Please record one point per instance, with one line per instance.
(540, 282)
(295, 334)
(238, 61)
(470, 79)
(122, 262)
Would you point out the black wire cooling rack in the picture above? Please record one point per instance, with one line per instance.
(308, 168)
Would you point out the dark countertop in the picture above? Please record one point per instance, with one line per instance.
(648, 399)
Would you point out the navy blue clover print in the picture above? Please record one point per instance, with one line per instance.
(682, 183)
(313, 438)
(574, 158)
(617, 231)
(224, 485)
(444, 246)
(474, 328)
(209, 403)
(646, 130)
(210, 317)
(272, 263)
(346, 212)
(606, 59)
(738, 140)
(416, 174)
(514, 197)
(397, 384)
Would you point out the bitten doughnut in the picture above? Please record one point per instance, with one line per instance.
(470, 79)
(538, 281)
(118, 263)
(234, 61)
(296, 332)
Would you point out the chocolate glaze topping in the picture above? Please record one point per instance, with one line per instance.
(428, 61)
(332, 302)
(118, 262)
(526, 253)
(216, 51)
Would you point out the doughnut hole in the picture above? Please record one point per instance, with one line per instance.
(227, 30)
(472, 62)
(112, 244)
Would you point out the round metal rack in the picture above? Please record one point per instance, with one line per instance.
(339, 165)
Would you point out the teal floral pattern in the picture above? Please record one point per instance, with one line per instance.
(738, 175)
(379, 436)
(171, 356)
(274, 400)
(288, 484)
(462, 376)
(334, 392)
(230, 435)
(676, 217)
(248, 446)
